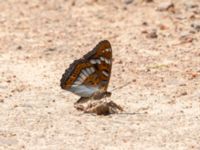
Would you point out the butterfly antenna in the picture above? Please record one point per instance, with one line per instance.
(122, 86)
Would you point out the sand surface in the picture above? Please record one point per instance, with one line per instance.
(155, 47)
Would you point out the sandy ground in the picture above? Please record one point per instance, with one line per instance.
(156, 48)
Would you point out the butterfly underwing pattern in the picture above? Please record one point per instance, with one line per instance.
(89, 76)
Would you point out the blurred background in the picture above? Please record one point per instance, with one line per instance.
(155, 46)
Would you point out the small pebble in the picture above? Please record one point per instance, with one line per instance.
(128, 1)
(144, 31)
(182, 84)
(144, 23)
(165, 6)
(162, 27)
(51, 49)
(8, 81)
(19, 47)
(152, 34)
(148, 1)
(183, 93)
(184, 34)
(196, 26)
(185, 37)
(190, 4)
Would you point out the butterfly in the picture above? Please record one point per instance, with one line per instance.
(89, 76)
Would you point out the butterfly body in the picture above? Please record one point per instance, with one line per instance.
(89, 76)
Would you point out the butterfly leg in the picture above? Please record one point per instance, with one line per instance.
(82, 100)
(102, 95)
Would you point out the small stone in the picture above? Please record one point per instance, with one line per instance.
(185, 37)
(134, 80)
(182, 84)
(8, 81)
(144, 31)
(183, 93)
(148, 1)
(128, 1)
(144, 23)
(124, 8)
(51, 49)
(180, 17)
(187, 40)
(152, 34)
(184, 34)
(196, 26)
(162, 27)
(165, 6)
(15, 106)
(19, 47)
(190, 4)
(192, 16)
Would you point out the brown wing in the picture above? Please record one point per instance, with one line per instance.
(93, 70)
(101, 58)
(73, 72)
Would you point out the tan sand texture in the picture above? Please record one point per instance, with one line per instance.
(156, 46)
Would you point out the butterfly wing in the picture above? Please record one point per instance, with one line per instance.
(101, 58)
(90, 74)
